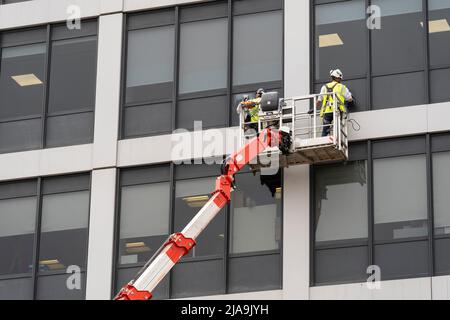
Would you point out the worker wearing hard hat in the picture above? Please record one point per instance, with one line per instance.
(326, 103)
(251, 107)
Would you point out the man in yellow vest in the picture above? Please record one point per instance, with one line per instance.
(326, 103)
(251, 109)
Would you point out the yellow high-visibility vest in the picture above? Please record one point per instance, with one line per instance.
(328, 101)
(254, 112)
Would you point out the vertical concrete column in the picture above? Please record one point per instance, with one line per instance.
(107, 103)
(296, 238)
(101, 235)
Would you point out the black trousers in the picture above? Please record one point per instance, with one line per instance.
(327, 121)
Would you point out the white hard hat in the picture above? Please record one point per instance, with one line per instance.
(336, 73)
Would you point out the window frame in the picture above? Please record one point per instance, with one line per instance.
(426, 145)
(45, 115)
(174, 176)
(39, 193)
(208, 12)
(426, 67)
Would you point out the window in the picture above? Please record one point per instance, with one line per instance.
(201, 271)
(185, 64)
(72, 85)
(441, 179)
(144, 219)
(225, 260)
(255, 238)
(262, 63)
(340, 39)
(59, 98)
(341, 222)
(203, 73)
(404, 59)
(63, 216)
(22, 83)
(18, 203)
(397, 46)
(150, 74)
(64, 221)
(439, 32)
(400, 198)
(377, 210)
(441, 174)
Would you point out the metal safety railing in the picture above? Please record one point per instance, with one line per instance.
(302, 116)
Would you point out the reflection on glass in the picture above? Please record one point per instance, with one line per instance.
(150, 63)
(203, 55)
(257, 58)
(17, 224)
(256, 214)
(341, 202)
(144, 221)
(73, 75)
(340, 38)
(398, 45)
(441, 187)
(400, 197)
(64, 230)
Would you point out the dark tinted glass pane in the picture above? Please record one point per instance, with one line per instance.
(140, 175)
(358, 88)
(61, 31)
(73, 75)
(402, 260)
(17, 227)
(399, 147)
(400, 197)
(144, 221)
(398, 45)
(200, 69)
(190, 197)
(439, 85)
(442, 256)
(147, 120)
(341, 38)
(263, 62)
(20, 135)
(348, 264)
(249, 6)
(439, 29)
(198, 279)
(70, 129)
(441, 187)
(61, 287)
(21, 81)
(60, 184)
(64, 231)
(398, 90)
(341, 202)
(150, 63)
(15, 189)
(126, 275)
(211, 111)
(257, 273)
(16, 289)
(256, 212)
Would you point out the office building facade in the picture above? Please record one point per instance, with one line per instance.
(91, 92)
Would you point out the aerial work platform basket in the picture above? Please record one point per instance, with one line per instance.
(309, 145)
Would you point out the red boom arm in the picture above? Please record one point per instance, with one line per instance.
(179, 244)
